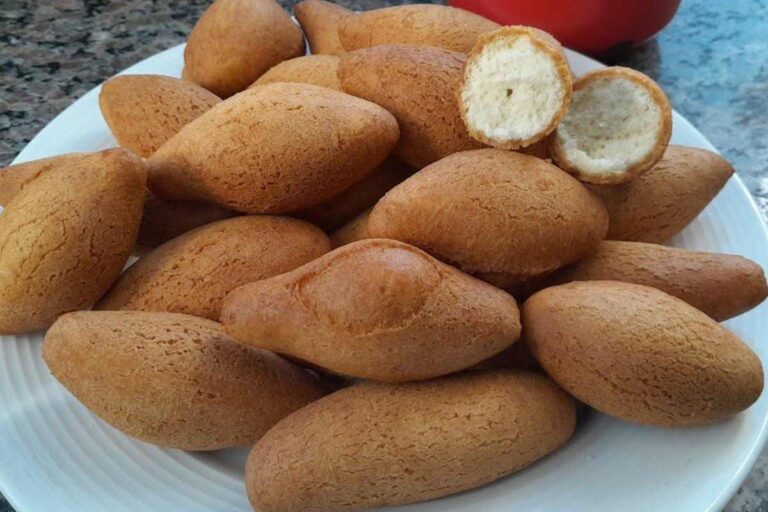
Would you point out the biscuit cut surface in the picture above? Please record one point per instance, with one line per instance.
(194, 272)
(516, 87)
(639, 354)
(144, 111)
(275, 148)
(174, 380)
(659, 203)
(375, 309)
(320, 21)
(618, 125)
(420, 24)
(310, 69)
(66, 236)
(374, 445)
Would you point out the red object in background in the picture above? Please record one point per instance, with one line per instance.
(589, 26)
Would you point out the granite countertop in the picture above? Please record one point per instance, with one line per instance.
(712, 61)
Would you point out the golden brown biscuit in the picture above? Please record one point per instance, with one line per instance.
(420, 24)
(193, 273)
(66, 236)
(235, 41)
(320, 21)
(418, 85)
(641, 355)
(160, 221)
(516, 87)
(373, 445)
(375, 309)
(275, 148)
(174, 380)
(499, 215)
(144, 111)
(720, 285)
(310, 69)
(617, 127)
(15, 177)
(661, 202)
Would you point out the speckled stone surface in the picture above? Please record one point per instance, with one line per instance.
(712, 61)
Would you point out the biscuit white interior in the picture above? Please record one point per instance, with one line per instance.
(512, 90)
(613, 123)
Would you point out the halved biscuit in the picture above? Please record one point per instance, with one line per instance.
(617, 127)
(516, 87)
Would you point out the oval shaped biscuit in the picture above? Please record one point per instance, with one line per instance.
(373, 445)
(275, 148)
(174, 380)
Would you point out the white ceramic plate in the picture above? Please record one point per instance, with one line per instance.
(55, 455)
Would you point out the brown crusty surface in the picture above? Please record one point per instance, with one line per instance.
(236, 41)
(641, 355)
(65, 237)
(502, 216)
(659, 203)
(174, 380)
(373, 445)
(417, 84)
(275, 148)
(420, 24)
(193, 273)
(375, 309)
(144, 111)
(720, 285)
(15, 177)
(161, 220)
(309, 69)
(320, 21)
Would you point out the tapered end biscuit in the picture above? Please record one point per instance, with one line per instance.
(660, 203)
(174, 380)
(310, 69)
(617, 127)
(441, 26)
(66, 235)
(15, 177)
(320, 21)
(516, 87)
(144, 111)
